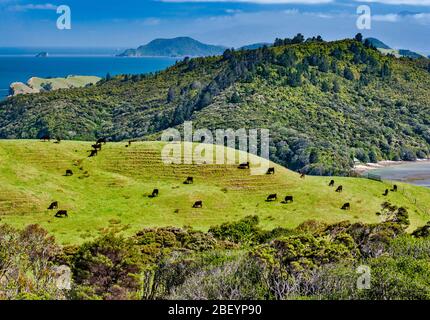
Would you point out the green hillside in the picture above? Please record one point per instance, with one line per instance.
(325, 103)
(111, 191)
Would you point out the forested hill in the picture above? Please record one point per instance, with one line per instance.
(326, 103)
(177, 47)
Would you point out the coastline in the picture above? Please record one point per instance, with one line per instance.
(366, 167)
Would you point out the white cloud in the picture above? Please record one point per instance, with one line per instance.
(27, 7)
(391, 17)
(399, 2)
(260, 1)
(421, 18)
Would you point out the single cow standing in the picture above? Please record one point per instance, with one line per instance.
(53, 206)
(289, 199)
(244, 165)
(272, 197)
(339, 189)
(190, 180)
(198, 204)
(271, 171)
(97, 146)
(346, 206)
(93, 153)
(331, 184)
(61, 214)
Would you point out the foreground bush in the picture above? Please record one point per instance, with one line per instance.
(234, 261)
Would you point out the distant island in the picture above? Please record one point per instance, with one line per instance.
(42, 55)
(176, 47)
(36, 85)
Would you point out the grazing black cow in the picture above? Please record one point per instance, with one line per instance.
(271, 171)
(97, 146)
(61, 214)
(272, 197)
(386, 193)
(57, 141)
(155, 193)
(190, 180)
(331, 184)
(198, 204)
(93, 153)
(289, 199)
(69, 173)
(45, 138)
(339, 189)
(395, 188)
(302, 176)
(53, 206)
(346, 206)
(101, 140)
(244, 165)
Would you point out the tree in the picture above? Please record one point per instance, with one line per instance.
(299, 38)
(295, 79)
(27, 270)
(368, 44)
(323, 65)
(108, 77)
(334, 67)
(336, 86)
(107, 268)
(235, 98)
(228, 54)
(359, 37)
(171, 95)
(348, 74)
(325, 87)
(385, 70)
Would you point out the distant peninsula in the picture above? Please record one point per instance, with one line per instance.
(385, 49)
(36, 85)
(176, 47)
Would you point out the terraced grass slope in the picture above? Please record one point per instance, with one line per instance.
(112, 189)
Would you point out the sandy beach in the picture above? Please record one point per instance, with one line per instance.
(362, 168)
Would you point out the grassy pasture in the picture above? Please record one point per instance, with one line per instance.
(111, 191)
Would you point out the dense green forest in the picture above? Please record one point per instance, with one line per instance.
(325, 103)
(236, 260)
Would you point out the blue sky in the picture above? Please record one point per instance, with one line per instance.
(129, 23)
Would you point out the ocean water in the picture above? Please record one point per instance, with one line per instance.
(417, 173)
(21, 64)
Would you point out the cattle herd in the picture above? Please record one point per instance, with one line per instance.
(339, 189)
(97, 147)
